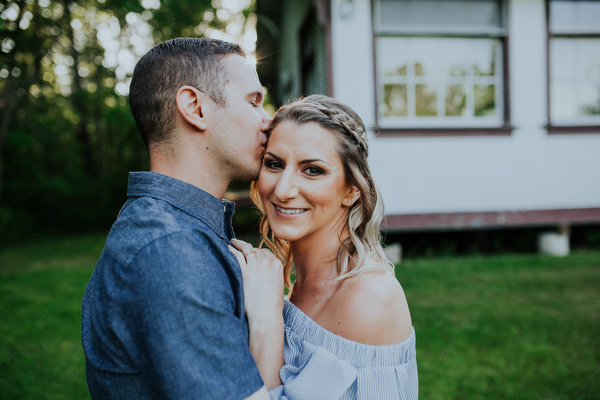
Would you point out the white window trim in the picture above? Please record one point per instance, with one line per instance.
(573, 33)
(442, 121)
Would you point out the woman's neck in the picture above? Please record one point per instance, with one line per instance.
(315, 260)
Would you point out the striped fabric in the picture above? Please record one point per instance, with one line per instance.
(322, 365)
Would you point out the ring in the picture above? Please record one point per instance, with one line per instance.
(250, 252)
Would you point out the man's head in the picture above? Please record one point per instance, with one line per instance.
(165, 69)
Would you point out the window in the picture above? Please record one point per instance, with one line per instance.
(313, 50)
(440, 64)
(574, 62)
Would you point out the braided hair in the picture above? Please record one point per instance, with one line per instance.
(366, 214)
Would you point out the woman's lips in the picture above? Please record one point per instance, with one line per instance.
(289, 211)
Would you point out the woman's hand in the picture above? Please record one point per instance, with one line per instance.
(263, 297)
(263, 282)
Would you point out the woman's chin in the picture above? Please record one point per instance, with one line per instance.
(285, 234)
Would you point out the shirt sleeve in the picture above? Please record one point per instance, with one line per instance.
(187, 325)
(313, 372)
(321, 376)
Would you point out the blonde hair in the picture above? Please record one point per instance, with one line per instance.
(366, 214)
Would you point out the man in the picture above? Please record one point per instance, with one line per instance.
(163, 313)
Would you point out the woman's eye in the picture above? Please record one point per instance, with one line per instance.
(313, 171)
(273, 164)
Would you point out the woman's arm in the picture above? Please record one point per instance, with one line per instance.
(263, 297)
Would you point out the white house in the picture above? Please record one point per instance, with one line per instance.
(482, 113)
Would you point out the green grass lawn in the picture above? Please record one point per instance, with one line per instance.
(41, 286)
(498, 327)
(506, 327)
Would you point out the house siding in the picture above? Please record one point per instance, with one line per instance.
(526, 170)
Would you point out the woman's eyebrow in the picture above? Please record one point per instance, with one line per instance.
(302, 162)
(313, 160)
(273, 155)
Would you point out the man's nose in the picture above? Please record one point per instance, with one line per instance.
(266, 119)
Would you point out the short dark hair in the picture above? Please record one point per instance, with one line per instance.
(168, 66)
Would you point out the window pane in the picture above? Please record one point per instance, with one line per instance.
(432, 81)
(575, 81)
(485, 100)
(562, 60)
(438, 16)
(395, 101)
(590, 100)
(424, 52)
(400, 70)
(453, 57)
(483, 54)
(394, 57)
(589, 59)
(563, 103)
(574, 16)
(456, 100)
(426, 100)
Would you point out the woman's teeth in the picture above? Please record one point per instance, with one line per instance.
(290, 210)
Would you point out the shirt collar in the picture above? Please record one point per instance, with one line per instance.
(186, 197)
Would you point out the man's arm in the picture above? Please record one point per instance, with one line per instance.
(187, 321)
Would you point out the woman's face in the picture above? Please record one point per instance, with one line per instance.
(302, 183)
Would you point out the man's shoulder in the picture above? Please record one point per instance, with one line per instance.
(146, 221)
(146, 249)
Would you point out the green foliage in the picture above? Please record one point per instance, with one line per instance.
(67, 139)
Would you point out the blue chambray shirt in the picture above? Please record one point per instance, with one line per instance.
(163, 313)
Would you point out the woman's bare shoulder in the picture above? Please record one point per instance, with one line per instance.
(369, 308)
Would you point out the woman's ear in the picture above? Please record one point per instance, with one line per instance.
(191, 104)
(352, 196)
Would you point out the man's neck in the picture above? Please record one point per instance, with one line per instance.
(183, 165)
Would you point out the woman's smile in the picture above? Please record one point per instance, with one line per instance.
(290, 211)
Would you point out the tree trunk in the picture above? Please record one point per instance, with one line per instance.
(82, 134)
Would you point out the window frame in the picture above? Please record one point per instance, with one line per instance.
(566, 128)
(502, 34)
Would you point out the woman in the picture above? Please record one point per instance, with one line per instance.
(348, 330)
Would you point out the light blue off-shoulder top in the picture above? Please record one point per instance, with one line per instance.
(322, 365)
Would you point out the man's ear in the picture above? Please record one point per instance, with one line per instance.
(352, 196)
(192, 104)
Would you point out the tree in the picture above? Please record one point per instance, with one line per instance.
(67, 139)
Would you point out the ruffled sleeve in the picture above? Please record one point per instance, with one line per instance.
(322, 365)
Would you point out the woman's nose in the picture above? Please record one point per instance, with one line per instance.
(286, 189)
